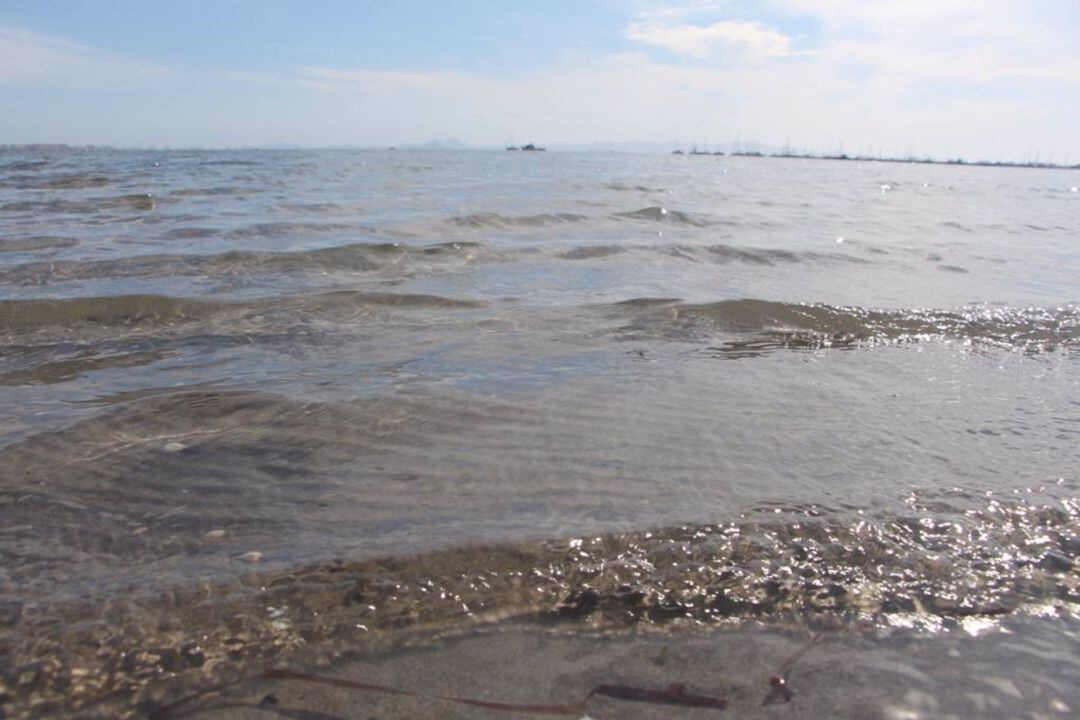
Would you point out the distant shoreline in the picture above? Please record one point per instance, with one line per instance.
(869, 158)
(61, 147)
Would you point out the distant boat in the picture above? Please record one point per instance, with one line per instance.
(512, 148)
(695, 151)
(532, 148)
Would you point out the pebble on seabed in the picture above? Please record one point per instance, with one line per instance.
(215, 534)
(252, 557)
(174, 447)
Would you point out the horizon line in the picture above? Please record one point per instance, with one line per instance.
(662, 148)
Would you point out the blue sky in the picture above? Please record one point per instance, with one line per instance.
(995, 79)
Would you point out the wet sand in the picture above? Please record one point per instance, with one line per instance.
(842, 675)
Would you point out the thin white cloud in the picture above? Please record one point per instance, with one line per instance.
(682, 11)
(29, 58)
(947, 42)
(939, 78)
(748, 40)
(403, 80)
(631, 96)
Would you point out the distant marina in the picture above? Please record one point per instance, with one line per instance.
(886, 159)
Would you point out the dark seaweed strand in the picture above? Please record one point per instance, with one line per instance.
(166, 710)
(779, 691)
(674, 695)
(572, 710)
(282, 674)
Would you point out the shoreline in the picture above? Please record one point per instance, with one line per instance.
(124, 657)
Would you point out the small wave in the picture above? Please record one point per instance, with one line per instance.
(719, 254)
(321, 208)
(623, 187)
(480, 221)
(647, 302)
(134, 201)
(149, 310)
(227, 163)
(441, 248)
(189, 233)
(663, 215)
(69, 181)
(353, 298)
(22, 315)
(285, 229)
(588, 252)
(771, 256)
(23, 165)
(355, 257)
(953, 269)
(42, 242)
(49, 371)
(213, 191)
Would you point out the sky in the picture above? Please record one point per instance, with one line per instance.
(985, 79)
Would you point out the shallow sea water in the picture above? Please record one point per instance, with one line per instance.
(283, 407)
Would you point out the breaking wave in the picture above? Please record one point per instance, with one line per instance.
(662, 215)
(777, 324)
(805, 563)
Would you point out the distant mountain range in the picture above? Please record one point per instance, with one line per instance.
(447, 144)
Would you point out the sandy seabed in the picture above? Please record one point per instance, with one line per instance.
(841, 675)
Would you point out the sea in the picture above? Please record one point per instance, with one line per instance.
(272, 407)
